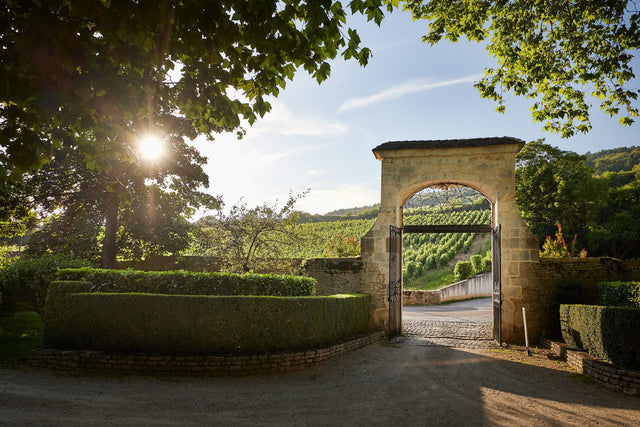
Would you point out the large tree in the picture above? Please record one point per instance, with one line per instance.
(139, 208)
(554, 187)
(556, 52)
(96, 74)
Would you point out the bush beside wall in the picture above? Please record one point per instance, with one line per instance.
(190, 283)
(607, 333)
(617, 293)
(182, 324)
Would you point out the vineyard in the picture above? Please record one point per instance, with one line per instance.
(428, 257)
(319, 237)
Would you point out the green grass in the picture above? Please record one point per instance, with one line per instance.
(430, 280)
(19, 333)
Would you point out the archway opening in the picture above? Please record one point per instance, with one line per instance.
(447, 261)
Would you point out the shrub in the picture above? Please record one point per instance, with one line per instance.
(617, 293)
(487, 265)
(191, 283)
(432, 261)
(26, 281)
(607, 333)
(476, 262)
(410, 269)
(181, 324)
(463, 270)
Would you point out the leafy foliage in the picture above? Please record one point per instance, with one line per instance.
(550, 51)
(96, 74)
(143, 213)
(557, 247)
(153, 323)
(248, 237)
(19, 333)
(555, 186)
(463, 270)
(320, 238)
(190, 283)
(343, 245)
(614, 160)
(26, 281)
(617, 229)
(422, 252)
(607, 333)
(618, 293)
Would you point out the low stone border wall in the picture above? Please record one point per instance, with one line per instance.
(474, 287)
(78, 361)
(623, 380)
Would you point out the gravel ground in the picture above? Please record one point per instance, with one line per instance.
(383, 384)
(414, 380)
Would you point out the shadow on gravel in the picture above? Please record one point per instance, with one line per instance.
(384, 384)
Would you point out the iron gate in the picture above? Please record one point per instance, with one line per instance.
(395, 281)
(497, 286)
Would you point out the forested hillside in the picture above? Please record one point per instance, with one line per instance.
(614, 160)
(595, 197)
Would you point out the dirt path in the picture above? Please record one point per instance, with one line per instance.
(384, 384)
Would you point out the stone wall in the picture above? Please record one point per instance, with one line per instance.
(548, 273)
(420, 297)
(153, 364)
(335, 275)
(623, 380)
(475, 287)
(353, 274)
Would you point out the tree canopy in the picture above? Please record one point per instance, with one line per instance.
(250, 239)
(97, 75)
(561, 54)
(556, 187)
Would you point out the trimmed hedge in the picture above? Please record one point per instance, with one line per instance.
(190, 283)
(618, 293)
(607, 333)
(25, 282)
(184, 324)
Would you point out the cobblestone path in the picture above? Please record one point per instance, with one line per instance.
(447, 332)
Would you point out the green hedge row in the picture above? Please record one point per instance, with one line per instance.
(619, 293)
(24, 283)
(607, 333)
(190, 283)
(184, 324)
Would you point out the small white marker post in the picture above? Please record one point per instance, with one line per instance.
(526, 336)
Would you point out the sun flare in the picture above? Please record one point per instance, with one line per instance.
(150, 147)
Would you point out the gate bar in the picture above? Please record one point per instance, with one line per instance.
(469, 228)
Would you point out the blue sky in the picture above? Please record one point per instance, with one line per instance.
(320, 137)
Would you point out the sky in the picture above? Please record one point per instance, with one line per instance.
(320, 137)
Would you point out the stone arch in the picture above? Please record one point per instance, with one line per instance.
(485, 164)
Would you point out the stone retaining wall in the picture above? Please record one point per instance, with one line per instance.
(623, 380)
(225, 365)
(474, 287)
(420, 297)
(538, 297)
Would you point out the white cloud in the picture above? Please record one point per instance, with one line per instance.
(406, 88)
(281, 120)
(317, 172)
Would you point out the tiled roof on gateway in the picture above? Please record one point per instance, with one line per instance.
(448, 143)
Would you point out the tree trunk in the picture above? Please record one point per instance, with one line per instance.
(110, 230)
